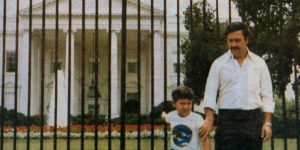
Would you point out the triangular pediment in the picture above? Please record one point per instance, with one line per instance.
(90, 8)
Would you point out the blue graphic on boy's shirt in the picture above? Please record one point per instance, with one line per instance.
(181, 135)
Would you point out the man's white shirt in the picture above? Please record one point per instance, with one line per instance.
(247, 86)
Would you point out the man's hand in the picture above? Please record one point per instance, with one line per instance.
(206, 128)
(266, 132)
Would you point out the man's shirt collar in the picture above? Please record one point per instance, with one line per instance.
(230, 56)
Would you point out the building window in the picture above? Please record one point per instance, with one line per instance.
(132, 67)
(56, 66)
(92, 66)
(11, 62)
(175, 67)
(132, 96)
(132, 104)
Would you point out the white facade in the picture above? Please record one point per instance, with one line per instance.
(76, 53)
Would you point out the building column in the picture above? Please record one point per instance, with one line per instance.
(23, 72)
(158, 69)
(36, 91)
(115, 80)
(72, 73)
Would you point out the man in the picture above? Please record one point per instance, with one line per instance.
(239, 88)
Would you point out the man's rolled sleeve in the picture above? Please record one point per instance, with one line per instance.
(268, 104)
(211, 88)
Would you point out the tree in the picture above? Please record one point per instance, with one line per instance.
(275, 29)
(201, 48)
(274, 36)
(296, 26)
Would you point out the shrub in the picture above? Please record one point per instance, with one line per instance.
(133, 119)
(37, 120)
(88, 119)
(21, 120)
(156, 112)
(4, 110)
(287, 128)
(132, 106)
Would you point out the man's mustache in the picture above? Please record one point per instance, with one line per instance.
(233, 48)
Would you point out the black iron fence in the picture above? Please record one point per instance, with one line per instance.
(115, 52)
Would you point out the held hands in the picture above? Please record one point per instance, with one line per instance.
(206, 128)
(266, 131)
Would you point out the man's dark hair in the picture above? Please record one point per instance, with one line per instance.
(182, 92)
(236, 26)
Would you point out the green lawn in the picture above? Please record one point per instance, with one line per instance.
(75, 144)
(130, 144)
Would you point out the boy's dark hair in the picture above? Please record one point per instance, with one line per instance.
(236, 26)
(182, 92)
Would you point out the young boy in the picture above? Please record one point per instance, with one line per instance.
(184, 123)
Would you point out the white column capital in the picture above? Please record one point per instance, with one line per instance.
(157, 32)
(114, 30)
(24, 30)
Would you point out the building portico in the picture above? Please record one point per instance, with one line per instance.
(73, 54)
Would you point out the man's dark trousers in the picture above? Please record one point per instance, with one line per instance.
(239, 129)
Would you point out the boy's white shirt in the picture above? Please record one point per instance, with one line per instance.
(183, 126)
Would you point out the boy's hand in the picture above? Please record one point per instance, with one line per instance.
(164, 115)
(206, 143)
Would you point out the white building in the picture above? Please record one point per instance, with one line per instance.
(76, 35)
(76, 53)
